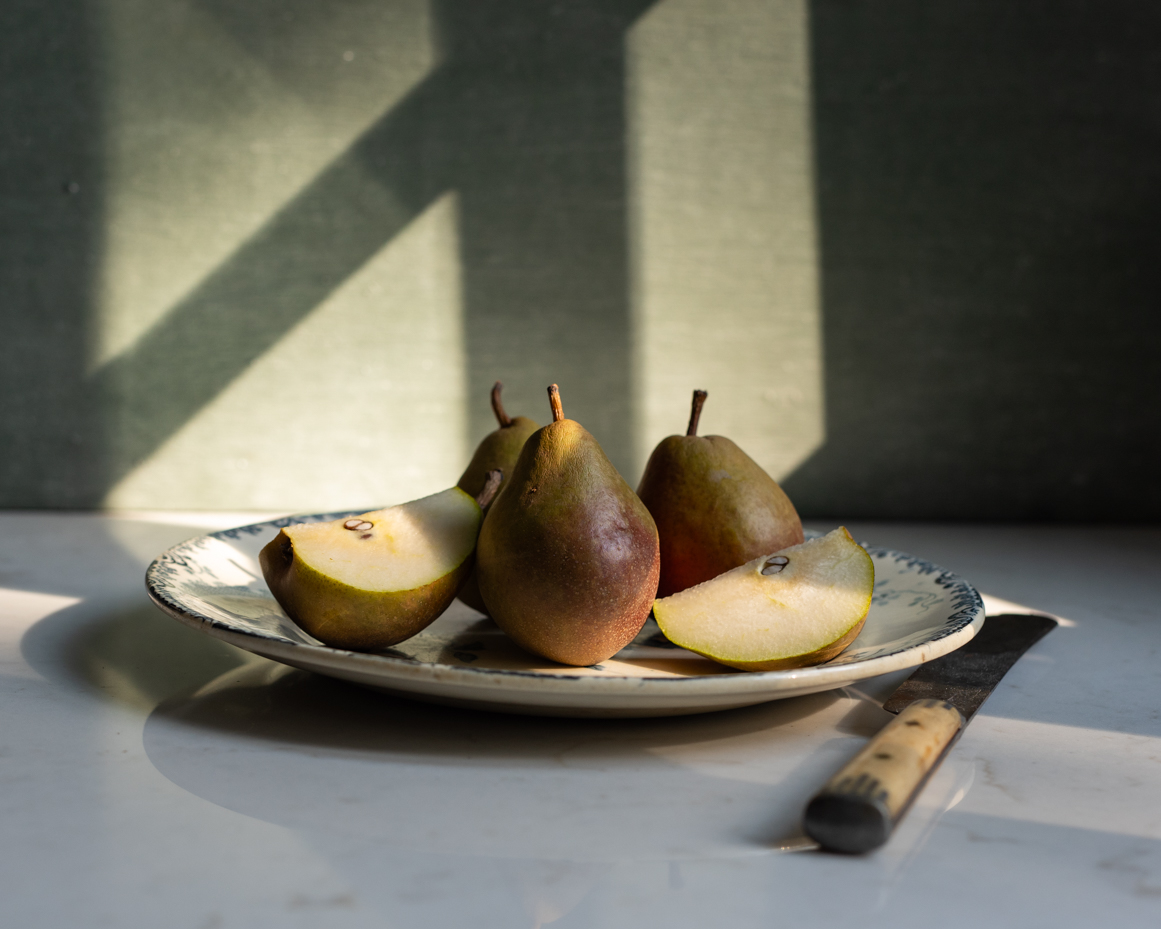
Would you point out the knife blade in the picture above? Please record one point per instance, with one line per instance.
(860, 806)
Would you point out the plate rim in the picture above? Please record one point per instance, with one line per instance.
(963, 624)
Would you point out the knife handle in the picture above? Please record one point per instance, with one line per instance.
(859, 806)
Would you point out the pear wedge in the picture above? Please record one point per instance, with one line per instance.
(800, 606)
(367, 582)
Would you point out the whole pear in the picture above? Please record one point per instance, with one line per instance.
(568, 557)
(714, 506)
(498, 450)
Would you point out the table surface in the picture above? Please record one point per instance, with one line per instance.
(153, 776)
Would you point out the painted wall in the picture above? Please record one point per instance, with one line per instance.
(989, 189)
(272, 255)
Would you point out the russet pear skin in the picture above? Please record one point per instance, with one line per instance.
(715, 508)
(498, 450)
(568, 557)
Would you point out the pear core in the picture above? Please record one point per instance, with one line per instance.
(407, 546)
(371, 581)
(796, 607)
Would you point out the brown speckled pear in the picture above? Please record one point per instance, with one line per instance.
(568, 557)
(714, 506)
(498, 450)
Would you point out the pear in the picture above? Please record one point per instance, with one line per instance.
(370, 581)
(797, 607)
(714, 506)
(499, 449)
(568, 556)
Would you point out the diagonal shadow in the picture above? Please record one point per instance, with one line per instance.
(341, 219)
(525, 118)
(541, 174)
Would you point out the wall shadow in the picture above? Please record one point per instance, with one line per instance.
(50, 250)
(525, 120)
(540, 164)
(988, 186)
(986, 182)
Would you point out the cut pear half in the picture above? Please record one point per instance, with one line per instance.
(797, 607)
(370, 581)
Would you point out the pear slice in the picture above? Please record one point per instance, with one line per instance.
(370, 581)
(800, 606)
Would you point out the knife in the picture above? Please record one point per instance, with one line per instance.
(860, 806)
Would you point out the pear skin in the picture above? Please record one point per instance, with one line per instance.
(568, 558)
(498, 450)
(714, 506)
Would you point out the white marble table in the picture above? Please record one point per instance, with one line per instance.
(153, 777)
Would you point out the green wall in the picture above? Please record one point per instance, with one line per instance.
(989, 186)
(272, 255)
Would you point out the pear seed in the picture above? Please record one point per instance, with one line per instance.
(352, 524)
(365, 535)
(775, 565)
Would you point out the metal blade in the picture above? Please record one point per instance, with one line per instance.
(965, 677)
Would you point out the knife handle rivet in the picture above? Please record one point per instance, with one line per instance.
(882, 756)
(914, 722)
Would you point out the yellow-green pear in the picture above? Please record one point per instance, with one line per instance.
(499, 449)
(568, 556)
(714, 506)
(367, 582)
(800, 606)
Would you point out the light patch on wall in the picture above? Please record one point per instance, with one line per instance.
(722, 226)
(362, 404)
(216, 115)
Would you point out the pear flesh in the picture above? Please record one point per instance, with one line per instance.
(370, 581)
(568, 557)
(499, 449)
(797, 607)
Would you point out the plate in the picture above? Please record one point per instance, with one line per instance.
(213, 583)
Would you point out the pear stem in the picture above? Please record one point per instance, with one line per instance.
(491, 485)
(554, 399)
(695, 413)
(498, 408)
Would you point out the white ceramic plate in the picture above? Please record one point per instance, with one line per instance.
(214, 583)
